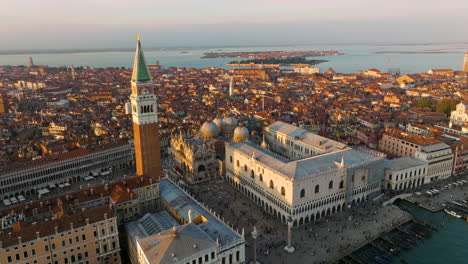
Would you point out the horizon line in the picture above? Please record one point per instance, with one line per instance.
(129, 49)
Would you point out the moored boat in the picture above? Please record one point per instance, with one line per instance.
(452, 213)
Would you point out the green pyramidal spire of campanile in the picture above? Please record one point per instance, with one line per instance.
(140, 69)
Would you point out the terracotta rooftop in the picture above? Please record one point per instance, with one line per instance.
(27, 231)
(119, 191)
(56, 157)
(421, 140)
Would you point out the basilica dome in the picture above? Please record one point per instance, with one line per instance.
(229, 124)
(219, 123)
(241, 134)
(209, 130)
(230, 121)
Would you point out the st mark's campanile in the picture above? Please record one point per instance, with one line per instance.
(145, 118)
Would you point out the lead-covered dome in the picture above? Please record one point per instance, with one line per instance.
(241, 134)
(219, 123)
(229, 124)
(230, 121)
(209, 130)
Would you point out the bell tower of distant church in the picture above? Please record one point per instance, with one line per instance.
(145, 118)
(465, 62)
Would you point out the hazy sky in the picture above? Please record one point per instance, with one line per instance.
(58, 24)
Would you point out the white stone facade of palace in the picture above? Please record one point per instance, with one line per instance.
(330, 178)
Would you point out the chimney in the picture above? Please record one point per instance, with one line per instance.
(19, 240)
(105, 215)
(151, 181)
(102, 194)
(56, 229)
(40, 204)
(83, 209)
(81, 187)
(1, 245)
(38, 235)
(67, 197)
(87, 221)
(106, 187)
(92, 191)
(34, 223)
(128, 189)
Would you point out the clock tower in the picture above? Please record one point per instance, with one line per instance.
(145, 118)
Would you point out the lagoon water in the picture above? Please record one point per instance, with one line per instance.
(447, 245)
(357, 57)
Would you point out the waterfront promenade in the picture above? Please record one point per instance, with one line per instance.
(447, 190)
(436, 201)
(319, 242)
(324, 241)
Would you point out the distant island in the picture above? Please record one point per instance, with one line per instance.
(281, 61)
(263, 55)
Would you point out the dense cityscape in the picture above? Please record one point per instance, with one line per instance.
(251, 164)
(233, 132)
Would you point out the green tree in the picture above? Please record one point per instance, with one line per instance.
(446, 106)
(424, 103)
